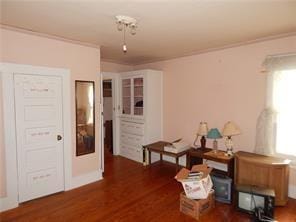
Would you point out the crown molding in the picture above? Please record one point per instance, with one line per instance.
(117, 62)
(249, 42)
(54, 37)
(198, 52)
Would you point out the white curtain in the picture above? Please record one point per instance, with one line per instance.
(267, 121)
(266, 132)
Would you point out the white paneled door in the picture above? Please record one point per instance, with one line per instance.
(39, 128)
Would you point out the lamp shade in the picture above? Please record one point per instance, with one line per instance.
(203, 129)
(214, 134)
(230, 129)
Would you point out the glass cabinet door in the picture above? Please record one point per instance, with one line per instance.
(138, 96)
(126, 96)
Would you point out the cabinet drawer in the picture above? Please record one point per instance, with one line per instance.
(125, 150)
(131, 139)
(132, 128)
(131, 148)
(131, 152)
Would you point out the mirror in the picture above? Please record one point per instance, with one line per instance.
(85, 117)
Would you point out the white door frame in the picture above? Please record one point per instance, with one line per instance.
(115, 107)
(7, 71)
(102, 124)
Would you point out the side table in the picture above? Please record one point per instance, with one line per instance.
(158, 147)
(196, 156)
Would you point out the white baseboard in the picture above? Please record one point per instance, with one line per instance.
(84, 179)
(292, 191)
(7, 203)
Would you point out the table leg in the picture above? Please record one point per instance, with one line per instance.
(160, 156)
(149, 156)
(188, 161)
(177, 163)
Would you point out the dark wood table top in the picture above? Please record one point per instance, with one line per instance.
(206, 153)
(158, 147)
(199, 152)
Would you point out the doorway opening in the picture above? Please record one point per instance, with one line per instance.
(108, 117)
(109, 106)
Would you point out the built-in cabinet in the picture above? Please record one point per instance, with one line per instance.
(140, 112)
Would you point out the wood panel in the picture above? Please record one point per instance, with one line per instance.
(263, 171)
(129, 192)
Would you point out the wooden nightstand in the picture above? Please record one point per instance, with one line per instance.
(196, 156)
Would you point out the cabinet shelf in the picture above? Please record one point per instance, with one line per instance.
(132, 93)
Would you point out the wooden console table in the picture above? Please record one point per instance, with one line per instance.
(158, 147)
(265, 172)
(196, 156)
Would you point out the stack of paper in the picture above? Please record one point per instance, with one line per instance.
(177, 147)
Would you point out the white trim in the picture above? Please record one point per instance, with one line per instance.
(292, 191)
(7, 203)
(11, 199)
(44, 35)
(161, 108)
(67, 130)
(7, 72)
(84, 179)
(102, 130)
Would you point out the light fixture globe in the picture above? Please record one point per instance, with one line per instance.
(124, 48)
(119, 25)
(125, 22)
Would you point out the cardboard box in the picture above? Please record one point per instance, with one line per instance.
(197, 208)
(196, 188)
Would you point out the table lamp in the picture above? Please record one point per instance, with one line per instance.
(214, 134)
(202, 131)
(230, 129)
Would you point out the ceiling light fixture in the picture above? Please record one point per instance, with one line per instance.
(123, 23)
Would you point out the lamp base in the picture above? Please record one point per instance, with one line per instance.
(229, 152)
(229, 145)
(215, 146)
(203, 142)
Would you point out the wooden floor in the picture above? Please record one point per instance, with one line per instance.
(129, 192)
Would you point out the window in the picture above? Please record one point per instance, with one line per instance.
(284, 103)
(276, 124)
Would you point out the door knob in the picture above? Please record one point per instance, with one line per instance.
(59, 137)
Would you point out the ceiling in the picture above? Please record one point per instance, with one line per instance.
(166, 28)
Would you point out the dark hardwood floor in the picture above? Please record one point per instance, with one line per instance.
(128, 192)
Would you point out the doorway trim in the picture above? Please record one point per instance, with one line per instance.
(115, 107)
(10, 148)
